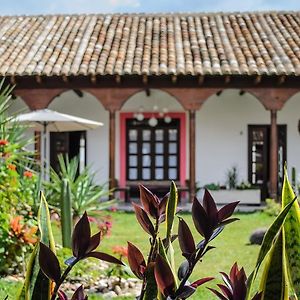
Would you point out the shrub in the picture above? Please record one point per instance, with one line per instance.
(272, 208)
(85, 194)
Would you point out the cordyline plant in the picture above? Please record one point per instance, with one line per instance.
(158, 272)
(83, 246)
(235, 287)
(44, 276)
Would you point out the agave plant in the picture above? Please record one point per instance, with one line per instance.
(85, 193)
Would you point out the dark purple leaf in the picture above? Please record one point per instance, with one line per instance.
(105, 257)
(186, 240)
(164, 277)
(228, 221)
(173, 238)
(186, 292)
(61, 295)
(49, 263)
(201, 220)
(143, 219)
(227, 281)
(149, 201)
(81, 237)
(79, 294)
(183, 269)
(136, 261)
(210, 207)
(226, 211)
(94, 242)
(162, 218)
(233, 272)
(216, 233)
(226, 291)
(218, 294)
(201, 281)
(163, 204)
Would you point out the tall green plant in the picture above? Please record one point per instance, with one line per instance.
(66, 213)
(280, 250)
(292, 235)
(36, 283)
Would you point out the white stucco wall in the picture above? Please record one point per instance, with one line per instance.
(221, 134)
(221, 129)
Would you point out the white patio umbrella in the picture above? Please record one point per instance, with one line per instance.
(46, 120)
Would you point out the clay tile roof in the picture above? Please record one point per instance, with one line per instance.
(263, 43)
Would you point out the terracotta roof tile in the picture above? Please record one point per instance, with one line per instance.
(265, 43)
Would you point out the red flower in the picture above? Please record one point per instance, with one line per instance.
(12, 167)
(3, 142)
(28, 174)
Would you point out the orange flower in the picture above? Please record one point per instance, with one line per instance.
(28, 174)
(12, 167)
(3, 142)
(29, 235)
(120, 250)
(16, 225)
(23, 232)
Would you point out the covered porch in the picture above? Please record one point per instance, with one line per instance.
(190, 100)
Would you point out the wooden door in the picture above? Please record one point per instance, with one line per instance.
(259, 156)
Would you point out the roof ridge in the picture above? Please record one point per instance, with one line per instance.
(158, 14)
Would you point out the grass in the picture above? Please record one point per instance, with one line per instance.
(231, 246)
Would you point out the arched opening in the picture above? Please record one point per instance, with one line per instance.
(95, 141)
(153, 141)
(290, 116)
(225, 126)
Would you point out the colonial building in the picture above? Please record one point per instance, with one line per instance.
(182, 96)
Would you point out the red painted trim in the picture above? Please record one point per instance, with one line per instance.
(175, 115)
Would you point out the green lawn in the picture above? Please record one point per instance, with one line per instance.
(231, 246)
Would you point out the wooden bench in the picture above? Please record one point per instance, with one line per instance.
(125, 190)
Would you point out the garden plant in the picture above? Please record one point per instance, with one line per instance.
(26, 230)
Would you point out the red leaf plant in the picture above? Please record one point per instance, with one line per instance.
(235, 287)
(208, 221)
(83, 246)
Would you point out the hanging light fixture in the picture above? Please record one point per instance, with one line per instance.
(167, 119)
(153, 121)
(140, 116)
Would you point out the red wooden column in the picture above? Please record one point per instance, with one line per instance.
(273, 155)
(112, 100)
(192, 153)
(112, 148)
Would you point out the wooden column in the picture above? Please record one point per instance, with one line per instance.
(112, 148)
(273, 156)
(192, 153)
